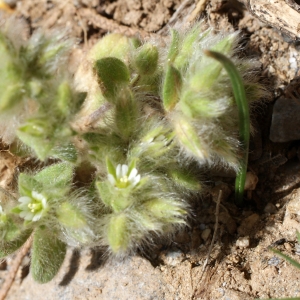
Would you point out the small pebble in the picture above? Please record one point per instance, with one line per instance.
(285, 121)
(172, 258)
(248, 224)
(202, 226)
(274, 261)
(196, 238)
(251, 181)
(11, 3)
(3, 265)
(205, 234)
(182, 237)
(288, 246)
(270, 208)
(243, 242)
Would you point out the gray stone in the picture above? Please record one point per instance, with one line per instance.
(132, 278)
(285, 125)
(270, 208)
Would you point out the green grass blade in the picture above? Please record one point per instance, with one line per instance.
(287, 258)
(244, 118)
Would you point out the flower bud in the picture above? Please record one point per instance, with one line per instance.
(113, 45)
(117, 233)
(146, 59)
(171, 87)
(113, 74)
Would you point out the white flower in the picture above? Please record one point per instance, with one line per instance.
(32, 208)
(124, 178)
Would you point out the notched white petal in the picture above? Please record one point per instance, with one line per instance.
(124, 170)
(133, 173)
(111, 179)
(24, 200)
(118, 171)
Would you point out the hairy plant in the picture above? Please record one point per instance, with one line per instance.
(144, 121)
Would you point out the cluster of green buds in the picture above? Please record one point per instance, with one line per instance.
(141, 120)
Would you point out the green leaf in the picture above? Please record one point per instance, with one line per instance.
(188, 138)
(11, 97)
(105, 192)
(126, 115)
(114, 45)
(174, 47)
(189, 43)
(110, 167)
(70, 216)
(171, 87)
(34, 134)
(186, 180)
(64, 98)
(146, 60)
(8, 229)
(113, 74)
(47, 255)
(56, 176)
(166, 210)
(66, 153)
(27, 184)
(7, 248)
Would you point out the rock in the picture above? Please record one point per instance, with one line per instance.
(248, 224)
(285, 121)
(292, 213)
(3, 265)
(205, 234)
(220, 186)
(251, 181)
(274, 261)
(243, 242)
(196, 238)
(227, 220)
(288, 247)
(270, 208)
(172, 258)
(182, 237)
(132, 278)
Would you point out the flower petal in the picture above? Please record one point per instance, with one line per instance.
(27, 215)
(25, 200)
(44, 203)
(37, 196)
(37, 216)
(111, 179)
(118, 171)
(132, 174)
(136, 180)
(124, 170)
